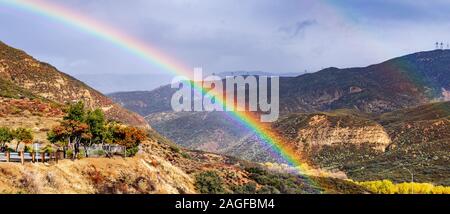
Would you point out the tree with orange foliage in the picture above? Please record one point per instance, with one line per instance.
(23, 136)
(127, 136)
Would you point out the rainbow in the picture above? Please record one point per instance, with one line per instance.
(158, 58)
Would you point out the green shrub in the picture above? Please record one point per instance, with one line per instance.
(69, 153)
(132, 151)
(81, 154)
(48, 149)
(186, 155)
(175, 149)
(249, 188)
(278, 183)
(27, 149)
(209, 182)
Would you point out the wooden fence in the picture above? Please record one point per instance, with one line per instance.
(23, 157)
(92, 151)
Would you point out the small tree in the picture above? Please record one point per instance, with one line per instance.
(130, 137)
(96, 122)
(6, 136)
(76, 112)
(70, 131)
(23, 136)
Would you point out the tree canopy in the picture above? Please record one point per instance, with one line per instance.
(81, 127)
(6, 136)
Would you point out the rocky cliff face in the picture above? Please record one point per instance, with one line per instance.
(46, 81)
(321, 130)
(376, 146)
(332, 129)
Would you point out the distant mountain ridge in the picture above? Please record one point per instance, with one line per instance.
(366, 92)
(402, 82)
(41, 79)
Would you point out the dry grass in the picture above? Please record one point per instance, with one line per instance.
(96, 175)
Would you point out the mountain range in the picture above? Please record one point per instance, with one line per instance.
(354, 119)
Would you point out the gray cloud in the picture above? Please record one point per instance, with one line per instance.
(227, 35)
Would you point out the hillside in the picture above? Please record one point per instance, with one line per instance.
(376, 147)
(30, 76)
(399, 83)
(162, 168)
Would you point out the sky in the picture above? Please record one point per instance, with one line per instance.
(277, 36)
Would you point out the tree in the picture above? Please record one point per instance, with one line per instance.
(6, 136)
(127, 136)
(23, 135)
(71, 131)
(76, 112)
(96, 122)
(81, 128)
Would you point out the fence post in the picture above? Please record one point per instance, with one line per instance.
(33, 157)
(43, 157)
(56, 156)
(8, 156)
(22, 157)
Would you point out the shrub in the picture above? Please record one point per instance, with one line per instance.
(81, 154)
(387, 187)
(186, 155)
(48, 149)
(249, 188)
(69, 153)
(277, 182)
(132, 151)
(209, 182)
(175, 149)
(6, 135)
(27, 149)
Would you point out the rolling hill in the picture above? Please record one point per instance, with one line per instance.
(41, 79)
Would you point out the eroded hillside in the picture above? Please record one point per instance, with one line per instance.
(44, 80)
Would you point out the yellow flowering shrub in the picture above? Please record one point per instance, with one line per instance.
(388, 187)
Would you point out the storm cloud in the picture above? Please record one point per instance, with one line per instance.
(229, 35)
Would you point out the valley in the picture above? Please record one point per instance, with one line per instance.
(371, 122)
